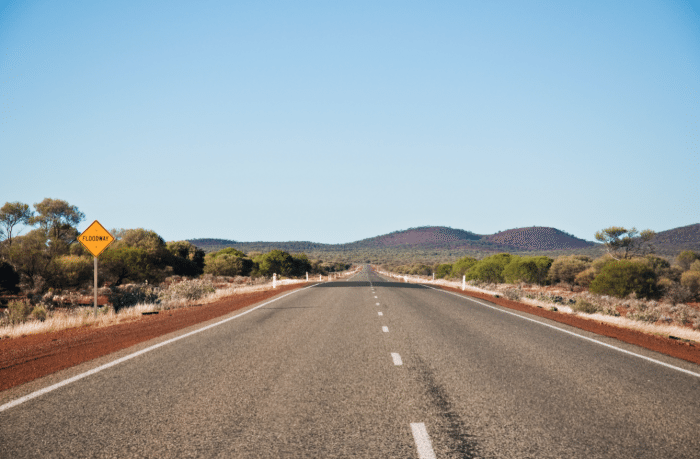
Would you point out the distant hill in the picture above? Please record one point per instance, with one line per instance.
(538, 238)
(426, 236)
(429, 239)
(212, 245)
(440, 244)
(673, 241)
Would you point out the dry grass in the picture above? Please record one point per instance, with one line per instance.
(647, 316)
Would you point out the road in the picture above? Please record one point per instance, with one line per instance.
(370, 368)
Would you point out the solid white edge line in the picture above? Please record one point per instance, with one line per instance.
(75, 378)
(396, 358)
(668, 365)
(422, 439)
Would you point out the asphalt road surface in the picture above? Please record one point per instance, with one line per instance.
(367, 368)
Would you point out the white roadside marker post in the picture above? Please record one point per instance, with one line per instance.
(274, 280)
(464, 282)
(307, 276)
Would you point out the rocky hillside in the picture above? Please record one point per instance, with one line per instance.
(673, 241)
(427, 236)
(537, 238)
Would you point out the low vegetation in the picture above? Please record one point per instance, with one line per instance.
(642, 288)
(47, 273)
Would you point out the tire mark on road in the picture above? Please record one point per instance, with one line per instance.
(459, 442)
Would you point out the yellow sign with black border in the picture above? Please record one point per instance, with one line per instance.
(95, 238)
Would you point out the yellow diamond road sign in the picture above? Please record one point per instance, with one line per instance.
(96, 238)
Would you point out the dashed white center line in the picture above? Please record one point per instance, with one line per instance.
(377, 304)
(385, 329)
(380, 313)
(422, 439)
(375, 296)
(396, 358)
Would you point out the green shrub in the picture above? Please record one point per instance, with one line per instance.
(186, 259)
(274, 262)
(695, 266)
(18, 311)
(443, 270)
(461, 266)
(39, 313)
(532, 270)
(228, 265)
(686, 258)
(490, 269)
(620, 278)
(70, 272)
(129, 264)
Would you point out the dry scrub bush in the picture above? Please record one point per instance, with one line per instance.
(584, 306)
(126, 296)
(513, 294)
(187, 290)
(585, 277)
(566, 268)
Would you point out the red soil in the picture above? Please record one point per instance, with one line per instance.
(675, 348)
(33, 356)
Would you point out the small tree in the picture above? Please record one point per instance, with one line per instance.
(30, 256)
(57, 219)
(186, 259)
(12, 214)
(275, 261)
(121, 264)
(301, 265)
(622, 243)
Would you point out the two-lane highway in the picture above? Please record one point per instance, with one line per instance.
(370, 368)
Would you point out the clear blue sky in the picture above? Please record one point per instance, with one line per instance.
(337, 121)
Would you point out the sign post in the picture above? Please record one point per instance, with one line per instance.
(95, 239)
